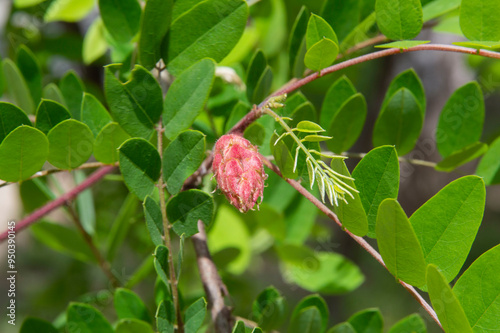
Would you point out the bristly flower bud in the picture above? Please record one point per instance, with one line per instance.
(239, 171)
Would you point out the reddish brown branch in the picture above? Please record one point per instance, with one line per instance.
(62, 200)
(215, 289)
(364, 244)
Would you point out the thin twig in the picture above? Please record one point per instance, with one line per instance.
(43, 173)
(364, 244)
(103, 264)
(49, 207)
(166, 231)
(212, 283)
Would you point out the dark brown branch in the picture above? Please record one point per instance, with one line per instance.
(62, 200)
(364, 244)
(215, 289)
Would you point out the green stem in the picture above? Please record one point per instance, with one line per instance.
(166, 231)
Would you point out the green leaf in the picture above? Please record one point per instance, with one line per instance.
(336, 96)
(93, 114)
(268, 310)
(297, 43)
(94, 42)
(83, 318)
(255, 133)
(301, 314)
(49, 114)
(399, 123)
(180, 256)
(140, 165)
(23, 152)
(187, 96)
(317, 29)
(186, 208)
(352, 215)
(11, 117)
(70, 144)
(461, 120)
(85, 204)
(161, 264)
(347, 124)
(107, 142)
(489, 166)
(202, 32)
(344, 327)
(321, 55)
(230, 231)
(462, 156)
(316, 138)
(121, 18)
(445, 303)
(30, 69)
(24, 4)
(478, 290)
(480, 44)
(399, 19)
(165, 317)
(433, 9)
(377, 178)
(478, 20)
(52, 92)
(182, 158)
(239, 327)
(137, 104)
(398, 244)
(31, 325)
(133, 326)
(335, 274)
(17, 87)
(413, 323)
(194, 316)
(446, 224)
(259, 78)
(154, 220)
(63, 239)
(283, 156)
(72, 89)
(155, 23)
(129, 305)
(402, 44)
(68, 10)
(367, 321)
(407, 79)
(307, 126)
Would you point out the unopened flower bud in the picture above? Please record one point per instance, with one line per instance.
(239, 171)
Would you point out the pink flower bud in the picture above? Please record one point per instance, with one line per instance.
(239, 171)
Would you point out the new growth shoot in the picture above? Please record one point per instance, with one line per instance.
(329, 181)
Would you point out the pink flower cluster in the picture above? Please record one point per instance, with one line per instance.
(239, 171)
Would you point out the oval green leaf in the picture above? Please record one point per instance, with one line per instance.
(377, 178)
(121, 18)
(30, 69)
(194, 316)
(49, 114)
(335, 97)
(369, 320)
(399, 123)
(68, 10)
(489, 166)
(446, 224)
(52, 92)
(307, 320)
(85, 318)
(106, 145)
(478, 290)
(186, 208)
(23, 152)
(17, 88)
(94, 114)
(186, 96)
(72, 89)
(94, 42)
(269, 308)
(11, 117)
(140, 165)
(398, 244)
(321, 55)
(202, 31)
(136, 105)
(129, 305)
(161, 263)
(347, 124)
(402, 45)
(308, 302)
(407, 79)
(317, 29)
(478, 20)
(413, 323)
(70, 144)
(259, 78)
(461, 120)
(307, 126)
(445, 303)
(181, 158)
(154, 220)
(462, 156)
(399, 19)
